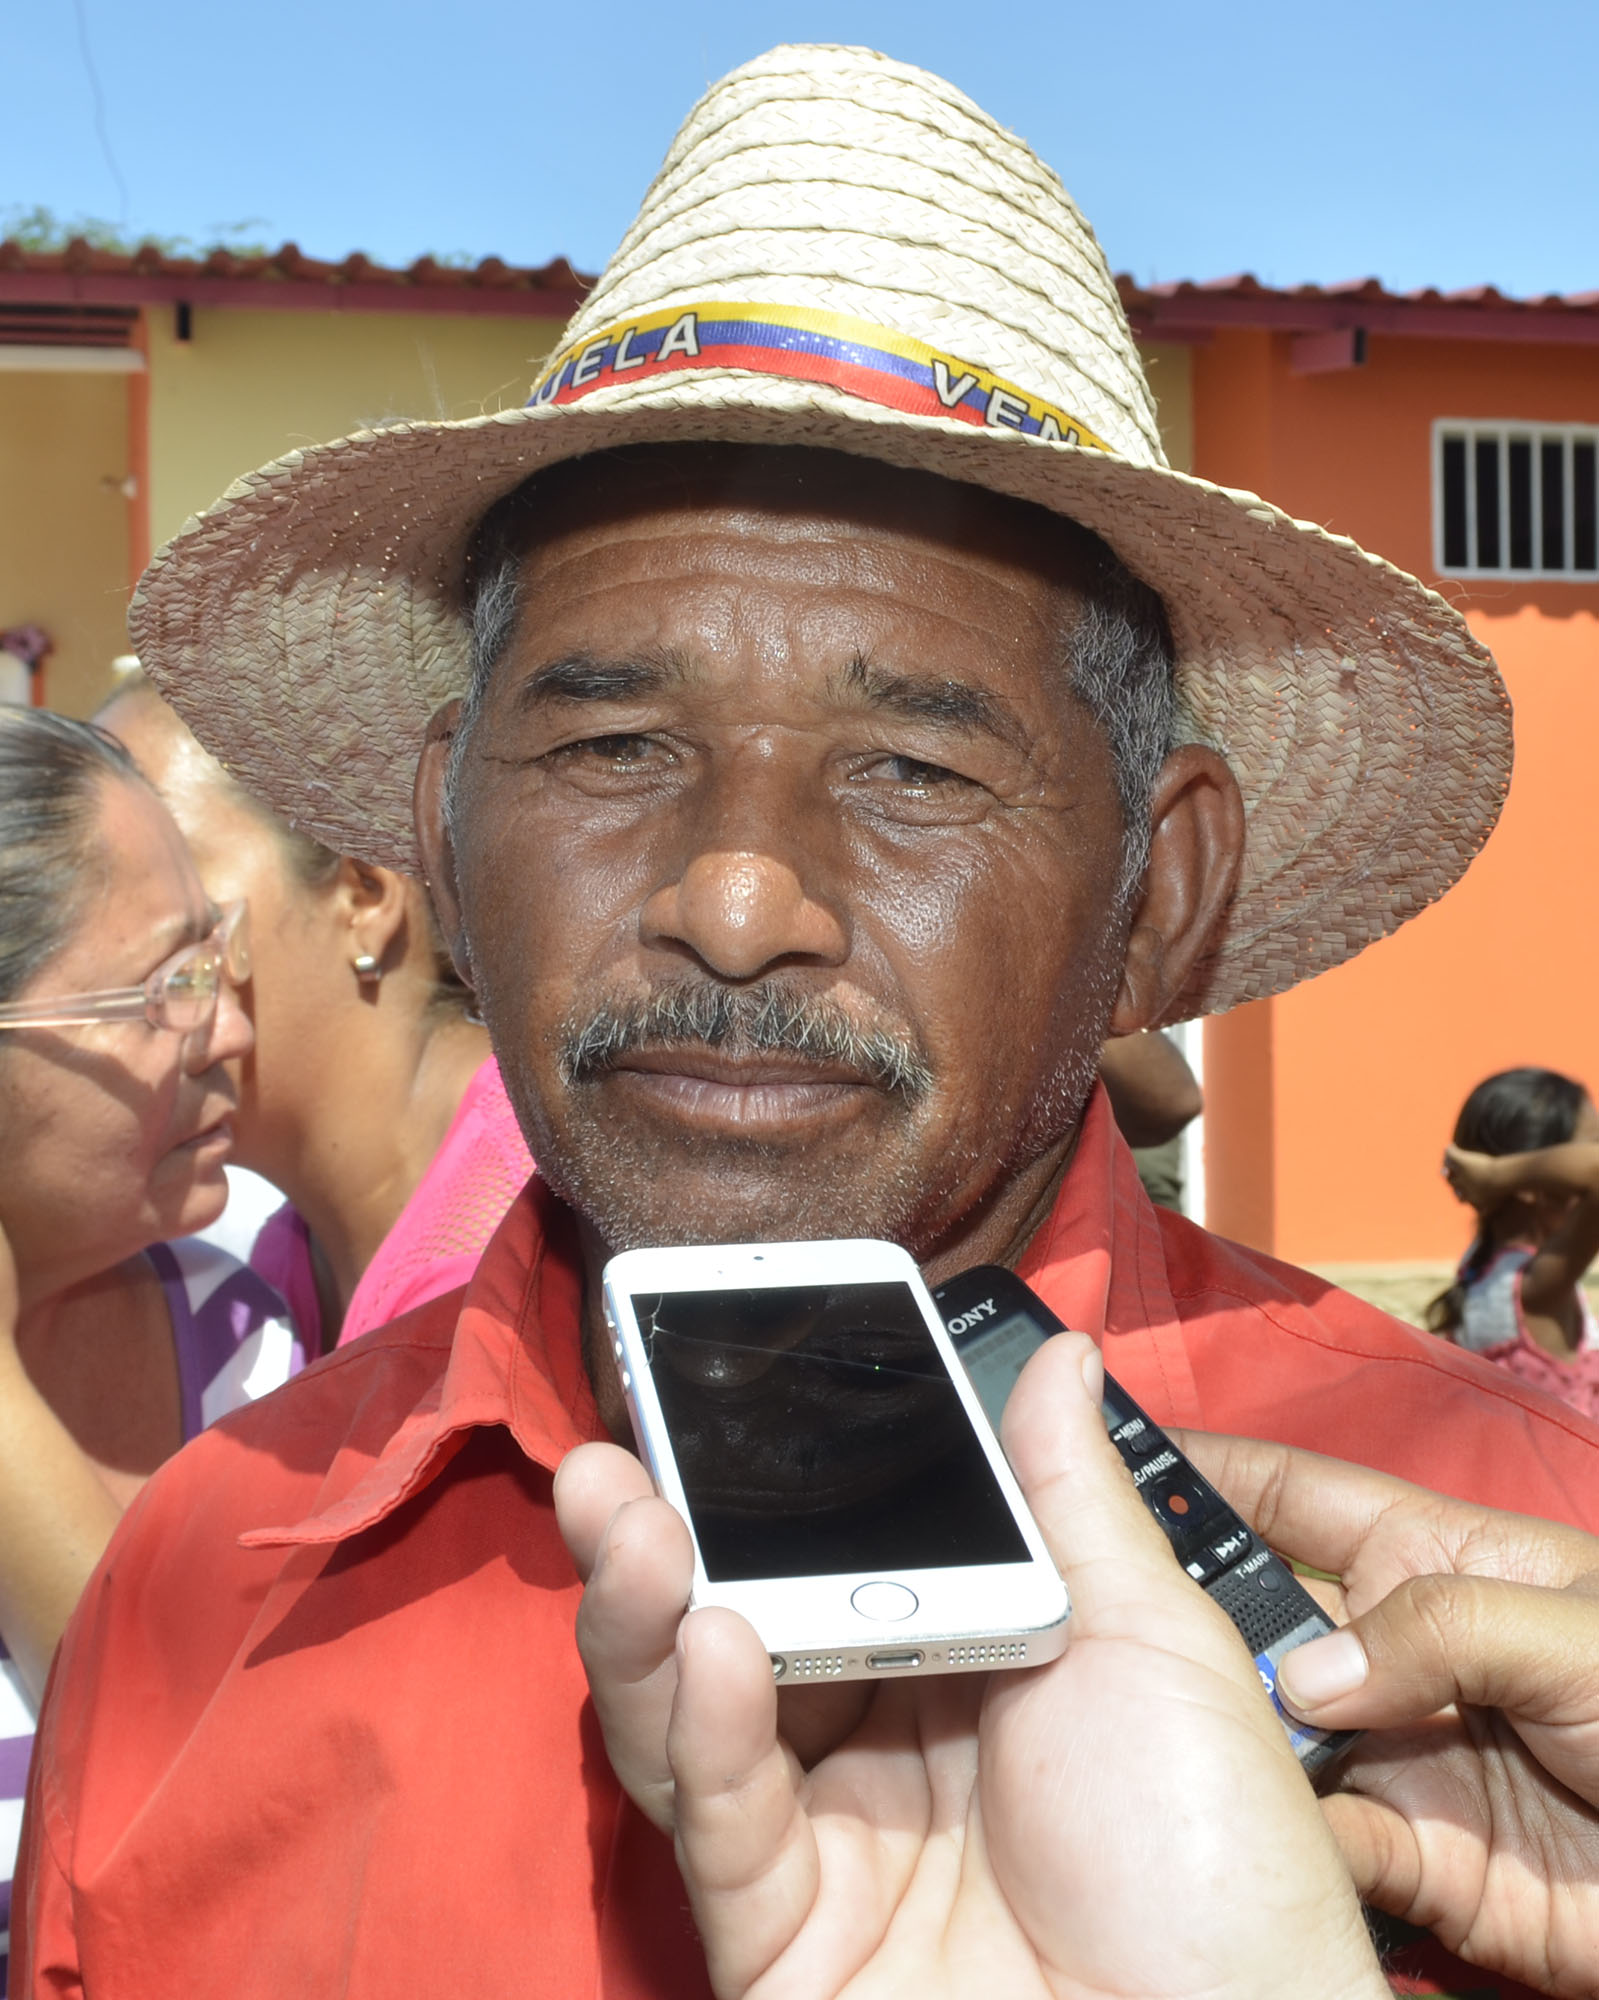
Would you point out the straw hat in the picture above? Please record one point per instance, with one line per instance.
(844, 251)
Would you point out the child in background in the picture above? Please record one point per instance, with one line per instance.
(1526, 1158)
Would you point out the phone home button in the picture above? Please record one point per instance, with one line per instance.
(888, 1602)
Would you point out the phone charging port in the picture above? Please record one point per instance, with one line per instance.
(883, 1663)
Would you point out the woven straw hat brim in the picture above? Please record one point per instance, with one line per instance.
(309, 624)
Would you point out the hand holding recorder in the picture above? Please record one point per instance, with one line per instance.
(1476, 1821)
(1128, 1816)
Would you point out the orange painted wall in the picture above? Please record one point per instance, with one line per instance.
(1326, 1147)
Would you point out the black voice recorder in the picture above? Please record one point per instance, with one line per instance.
(997, 1323)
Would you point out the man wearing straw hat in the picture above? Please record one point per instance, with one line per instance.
(834, 720)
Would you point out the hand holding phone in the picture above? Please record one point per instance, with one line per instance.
(1129, 1814)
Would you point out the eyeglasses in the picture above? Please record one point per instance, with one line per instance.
(180, 995)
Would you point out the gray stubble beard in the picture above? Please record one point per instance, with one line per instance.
(612, 1181)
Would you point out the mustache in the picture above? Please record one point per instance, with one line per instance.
(766, 1018)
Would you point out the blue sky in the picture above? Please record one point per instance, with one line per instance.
(1413, 140)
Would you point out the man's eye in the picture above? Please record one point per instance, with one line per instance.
(916, 775)
(910, 791)
(620, 752)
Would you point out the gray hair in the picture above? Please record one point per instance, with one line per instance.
(1119, 664)
(1118, 658)
(53, 771)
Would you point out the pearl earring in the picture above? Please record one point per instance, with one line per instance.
(367, 969)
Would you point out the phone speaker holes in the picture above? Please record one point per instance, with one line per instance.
(817, 1666)
(1005, 1653)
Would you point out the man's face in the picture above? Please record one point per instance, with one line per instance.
(786, 862)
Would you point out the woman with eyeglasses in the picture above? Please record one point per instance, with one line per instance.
(371, 1097)
(119, 1016)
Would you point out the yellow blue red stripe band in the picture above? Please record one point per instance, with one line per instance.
(797, 341)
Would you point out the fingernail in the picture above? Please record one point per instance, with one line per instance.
(1094, 1373)
(1314, 1674)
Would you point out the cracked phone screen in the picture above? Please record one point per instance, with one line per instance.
(817, 1433)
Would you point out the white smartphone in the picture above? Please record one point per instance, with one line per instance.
(803, 1409)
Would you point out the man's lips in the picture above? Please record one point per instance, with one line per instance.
(761, 1090)
(738, 1071)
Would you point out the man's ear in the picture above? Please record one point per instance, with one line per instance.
(433, 832)
(1196, 819)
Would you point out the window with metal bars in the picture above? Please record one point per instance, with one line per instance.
(1516, 500)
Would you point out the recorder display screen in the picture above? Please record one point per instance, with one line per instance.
(995, 1357)
(817, 1433)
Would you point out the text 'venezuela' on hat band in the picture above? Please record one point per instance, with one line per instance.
(850, 354)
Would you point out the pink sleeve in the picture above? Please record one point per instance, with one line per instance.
(479, 1170)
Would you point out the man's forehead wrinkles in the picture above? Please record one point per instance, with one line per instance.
(741, 603)
(996, 614)
(696, 540)
(694, 550)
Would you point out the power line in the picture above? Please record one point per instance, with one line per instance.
(100, 126)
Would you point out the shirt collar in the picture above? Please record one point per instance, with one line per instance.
(516, 1356)
(515, 1359)
(1100, 1262)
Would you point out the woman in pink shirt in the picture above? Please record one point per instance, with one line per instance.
(371, 1098)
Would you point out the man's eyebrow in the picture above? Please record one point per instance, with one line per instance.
(585, 677)
(948, 704)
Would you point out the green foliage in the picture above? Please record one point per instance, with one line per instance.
(37, 227)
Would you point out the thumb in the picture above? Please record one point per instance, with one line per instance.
(1113, 1554)
(1438, 1640)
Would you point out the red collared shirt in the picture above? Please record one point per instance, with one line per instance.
(319, 1726)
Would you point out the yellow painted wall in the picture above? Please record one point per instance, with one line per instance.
(64, 523)
(250, 386)
(1170, 369)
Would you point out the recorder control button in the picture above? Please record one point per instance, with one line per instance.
(1203, 1566)
(1231, 1548)
(1270, 1578)
(886, 1601)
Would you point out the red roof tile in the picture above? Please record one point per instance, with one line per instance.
(1188, 311)
(82, 275)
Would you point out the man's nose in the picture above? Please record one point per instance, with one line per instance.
(741, 913)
